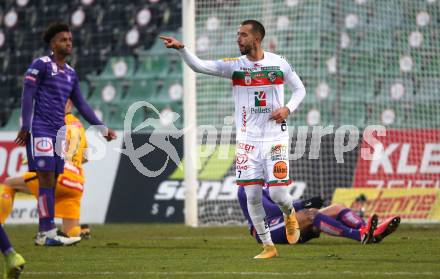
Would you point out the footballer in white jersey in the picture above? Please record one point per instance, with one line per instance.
(258, 91)
(258, 79)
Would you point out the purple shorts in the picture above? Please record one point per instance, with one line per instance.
(42, 154)
(278, 232)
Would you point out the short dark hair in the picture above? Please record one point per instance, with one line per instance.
(53, 29)
(257, 27)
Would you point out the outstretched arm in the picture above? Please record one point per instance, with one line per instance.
(209, 67)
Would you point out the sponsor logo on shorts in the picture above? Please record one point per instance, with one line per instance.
(43, 147)
(279, 152)
(280, 170)
(241, 159)
(238, 167)
(246, 147)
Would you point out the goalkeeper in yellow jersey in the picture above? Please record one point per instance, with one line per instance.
(69, 188)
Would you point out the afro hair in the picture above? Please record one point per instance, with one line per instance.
(53, 29)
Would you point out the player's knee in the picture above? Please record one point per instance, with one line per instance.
(337, 207)
(253, 199)
(253, 194)
(9, 181)
(278, 195)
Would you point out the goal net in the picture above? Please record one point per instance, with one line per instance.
(363, 62)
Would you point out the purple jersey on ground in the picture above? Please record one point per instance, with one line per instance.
(274, 218)
(47, 87)
(274, 215)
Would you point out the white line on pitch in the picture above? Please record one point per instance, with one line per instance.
(199, 237)
(201, 273)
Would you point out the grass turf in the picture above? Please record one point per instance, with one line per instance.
(176, 251)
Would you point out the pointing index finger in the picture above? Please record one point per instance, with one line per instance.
(164, 37)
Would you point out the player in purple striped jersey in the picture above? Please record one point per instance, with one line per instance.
(334, 220)
(48, 83)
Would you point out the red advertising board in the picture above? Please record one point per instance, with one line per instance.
(11, 159)
(408, 158)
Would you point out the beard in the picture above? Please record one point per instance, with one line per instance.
(246, 50)
(64, 52)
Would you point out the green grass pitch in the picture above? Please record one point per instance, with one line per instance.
(176, 251)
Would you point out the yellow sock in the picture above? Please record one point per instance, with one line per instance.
(7, 195)
(75, 231)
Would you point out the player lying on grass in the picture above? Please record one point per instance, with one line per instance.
(69, 189)
(335, 220)
(13, 262)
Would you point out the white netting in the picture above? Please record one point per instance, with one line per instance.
(363, 62)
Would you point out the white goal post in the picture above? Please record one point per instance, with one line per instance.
(190, 121)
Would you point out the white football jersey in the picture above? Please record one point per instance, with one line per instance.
(258, 89)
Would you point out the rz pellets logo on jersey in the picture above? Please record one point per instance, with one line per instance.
(260, 99)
